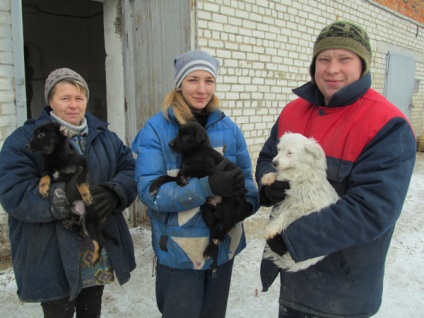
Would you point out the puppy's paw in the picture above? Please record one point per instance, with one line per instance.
(271, 230)
(182, 181)
(44, 186)
(85, 194)
(96, 254)
(269, 235)
(268, 178)
(44, 191)
(153, 188)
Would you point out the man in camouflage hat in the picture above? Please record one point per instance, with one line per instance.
(370, 151)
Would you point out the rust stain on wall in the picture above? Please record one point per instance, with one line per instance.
(413, 9)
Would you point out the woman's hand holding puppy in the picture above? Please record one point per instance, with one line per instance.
(105, 200)
(227, 183)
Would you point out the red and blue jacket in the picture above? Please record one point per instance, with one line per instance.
(370, 149)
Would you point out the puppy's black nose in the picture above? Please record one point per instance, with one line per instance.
(275, 163)
(171, 144)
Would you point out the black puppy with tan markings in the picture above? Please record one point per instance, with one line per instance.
(62, 163)
(200, 160)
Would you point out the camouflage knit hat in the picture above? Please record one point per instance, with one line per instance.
(59, 75)
(343, 35)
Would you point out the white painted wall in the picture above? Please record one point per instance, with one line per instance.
(114, 68)
(265, 49)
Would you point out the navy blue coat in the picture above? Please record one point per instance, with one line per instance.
(45, 256)
(370, 150)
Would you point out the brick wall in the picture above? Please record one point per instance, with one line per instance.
(7, 101)
(265, 51)
(7, 90)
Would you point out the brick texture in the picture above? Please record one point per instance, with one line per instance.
(265, 51)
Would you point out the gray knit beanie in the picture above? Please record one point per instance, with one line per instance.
(59, 75)
(194, 61)
(343, 35)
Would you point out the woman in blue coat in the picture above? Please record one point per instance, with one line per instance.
(186, 286)
(52, 263)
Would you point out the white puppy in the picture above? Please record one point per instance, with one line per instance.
(300, 161)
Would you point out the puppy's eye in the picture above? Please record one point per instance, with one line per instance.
(289, 153)
(40, 135)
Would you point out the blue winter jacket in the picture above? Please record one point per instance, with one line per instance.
(370, 150)
(45, 255)
(179, 233)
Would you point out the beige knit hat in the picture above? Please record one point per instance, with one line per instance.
(343, 35)
(59, 75)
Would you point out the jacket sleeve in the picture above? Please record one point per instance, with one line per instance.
(373, 200)
(151, 164)
(264, 164)
(20, 172)
(123, 183)
(268, 152)
(244, 161)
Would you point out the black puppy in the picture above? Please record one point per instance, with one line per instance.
(200, 160)
(62, 163)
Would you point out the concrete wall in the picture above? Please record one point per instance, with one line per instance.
(7, 98)
(7, 86)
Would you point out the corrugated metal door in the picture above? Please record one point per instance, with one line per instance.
(399, 83)
(155, 32)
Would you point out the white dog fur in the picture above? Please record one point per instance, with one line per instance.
(301, 161)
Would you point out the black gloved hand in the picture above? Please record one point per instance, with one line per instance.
(227, 183)
(275, 193)
(244, 210)
(105, 200)
(277, 245)
(59, 203)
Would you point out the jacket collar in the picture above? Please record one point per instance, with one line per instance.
(213, 117)
(92, 121)
(345, 96)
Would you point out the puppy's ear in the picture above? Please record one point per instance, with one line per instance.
(314, 149)
(200, 135)
(62, 130)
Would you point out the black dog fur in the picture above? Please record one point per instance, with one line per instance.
(62, 163)
(200, 160)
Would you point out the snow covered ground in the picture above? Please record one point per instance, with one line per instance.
(403, 290)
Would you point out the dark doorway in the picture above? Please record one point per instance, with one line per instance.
(63, 33)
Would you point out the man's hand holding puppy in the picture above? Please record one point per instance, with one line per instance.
(277, 244)
(274, 193)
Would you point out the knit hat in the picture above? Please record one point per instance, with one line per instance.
(194, 61)
(59, 75)
(343, 35)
